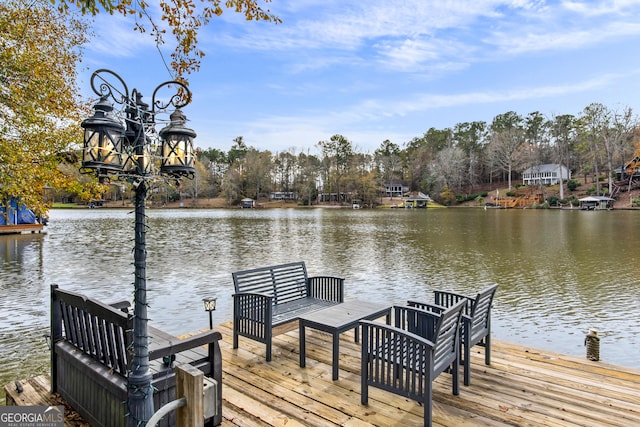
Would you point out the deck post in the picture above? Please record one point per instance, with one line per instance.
(190, 385)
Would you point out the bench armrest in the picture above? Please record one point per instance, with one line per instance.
(242, 295)
(246, 303)
(180, 345)
(254, 307)
(328, 288)
(123, 306)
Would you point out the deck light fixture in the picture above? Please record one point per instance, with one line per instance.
(210, 306)
(125, 145)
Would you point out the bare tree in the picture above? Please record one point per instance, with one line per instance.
(257, 171)
(506, 138)
(562, 130)
(504, 149)
(470, 137)
(450, 166)
(337, 153)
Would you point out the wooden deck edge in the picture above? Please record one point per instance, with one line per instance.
(21, 228)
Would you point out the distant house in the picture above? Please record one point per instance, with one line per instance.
(396, 188)
(334, 197)
(283, 195)
(549, 174)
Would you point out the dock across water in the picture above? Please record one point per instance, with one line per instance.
(522, 387)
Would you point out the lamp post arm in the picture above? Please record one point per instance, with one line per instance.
(107, 89)
(181, 98)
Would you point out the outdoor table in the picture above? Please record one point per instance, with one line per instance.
(338, 319)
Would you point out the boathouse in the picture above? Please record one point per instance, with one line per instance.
(596, 203)
(418, 200)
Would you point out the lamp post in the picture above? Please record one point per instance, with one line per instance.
(125, 147)
(210, 306)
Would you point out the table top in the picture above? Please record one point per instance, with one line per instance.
(346, 313)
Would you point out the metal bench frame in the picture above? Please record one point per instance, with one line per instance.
(268, 297)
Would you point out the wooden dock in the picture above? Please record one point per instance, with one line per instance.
(21, 229)
(522, 387)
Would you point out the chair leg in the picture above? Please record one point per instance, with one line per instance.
(467, 364)
(456, 377)
(487, 349)
(364, 392)
(428, 403)
(364, 366)
(268, 334)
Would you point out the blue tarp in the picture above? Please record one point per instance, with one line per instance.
(17, 215)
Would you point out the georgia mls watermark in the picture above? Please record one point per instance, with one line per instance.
(31, 416)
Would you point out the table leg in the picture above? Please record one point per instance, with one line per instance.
(303, 349)
(336, 355)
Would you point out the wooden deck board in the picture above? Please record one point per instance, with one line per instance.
(522, 387)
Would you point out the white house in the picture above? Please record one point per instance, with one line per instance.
(548, 174)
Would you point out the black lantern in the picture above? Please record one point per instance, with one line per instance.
(103, 136)
(177, 146)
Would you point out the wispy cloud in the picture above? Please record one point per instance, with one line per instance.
(117, 39)
(269, 130)
(391, 68)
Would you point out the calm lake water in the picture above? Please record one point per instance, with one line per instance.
(560, 272)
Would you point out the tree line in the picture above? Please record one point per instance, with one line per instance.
(442, 162)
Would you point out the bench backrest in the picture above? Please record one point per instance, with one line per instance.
(98, 330)
(285, 282)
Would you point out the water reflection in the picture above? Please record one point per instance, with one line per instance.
(560, 272)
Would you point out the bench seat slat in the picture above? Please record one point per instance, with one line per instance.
(288, 312)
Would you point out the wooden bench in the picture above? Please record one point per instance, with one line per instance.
(273, 296)
(90, 358)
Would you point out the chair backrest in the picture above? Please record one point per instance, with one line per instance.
(285, 282)
(447, 337)
(481, 311)
(441, 327)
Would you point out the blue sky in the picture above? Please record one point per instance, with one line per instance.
(387, 69)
